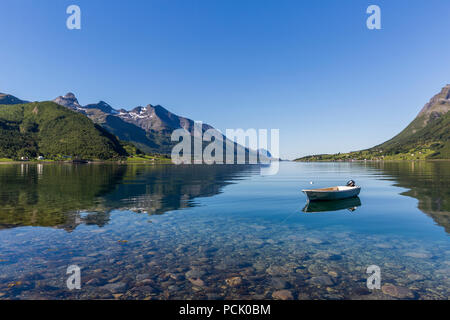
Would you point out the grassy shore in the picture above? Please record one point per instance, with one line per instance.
(131, 160)
(423, 153)
(148, 159)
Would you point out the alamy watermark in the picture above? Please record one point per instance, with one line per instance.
(374, 20)
(74, 20)
(237, 146)
(374, 280)
(74, 280)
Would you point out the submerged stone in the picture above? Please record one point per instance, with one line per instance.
(234, 281)
(115, 287)
(279, 283)
(197, 282)
(282, 295)
(396, 291)
(322, 281)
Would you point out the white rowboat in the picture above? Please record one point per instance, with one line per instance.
(334, 193)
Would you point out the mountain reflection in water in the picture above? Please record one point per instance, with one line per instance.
(426, 181)
(65, 196)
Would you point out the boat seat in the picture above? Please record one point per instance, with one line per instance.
(329, 189)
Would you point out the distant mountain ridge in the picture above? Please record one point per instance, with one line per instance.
(426, 137)
(149, 127)
(148, 118)
(9, 99)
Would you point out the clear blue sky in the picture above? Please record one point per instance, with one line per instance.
(310, 68)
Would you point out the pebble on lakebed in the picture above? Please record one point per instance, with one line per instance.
(197, 282)
(234, 281)
(282, 295)
(397, 292)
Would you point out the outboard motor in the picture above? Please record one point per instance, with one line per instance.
(351, 183)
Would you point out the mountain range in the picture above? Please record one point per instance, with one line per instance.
(23, 131)
(148, 129)
(426, 137)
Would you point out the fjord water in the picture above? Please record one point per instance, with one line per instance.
(223, 232)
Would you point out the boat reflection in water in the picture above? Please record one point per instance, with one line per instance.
(335, 205)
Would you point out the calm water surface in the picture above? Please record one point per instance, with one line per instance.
(223, 232)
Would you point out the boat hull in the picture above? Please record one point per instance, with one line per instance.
(318, 195)
(333, 205)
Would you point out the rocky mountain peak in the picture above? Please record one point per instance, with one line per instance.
(447, 92)
(102, 106)
(69, 100)
(439, 104)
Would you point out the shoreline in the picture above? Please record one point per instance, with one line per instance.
(399, 160)
(169, 162)
(88, 162)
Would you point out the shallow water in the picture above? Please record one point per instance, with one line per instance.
(223, 232)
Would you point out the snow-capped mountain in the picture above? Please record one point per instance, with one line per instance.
(149, 127)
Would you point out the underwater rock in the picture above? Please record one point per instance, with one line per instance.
(396, 291)
(197, 282)
(321, 281)
(115, 287)
(415, 277)
(279, 283)
(333, 274)
(234, 281)
(282, 295)
(194, 273)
